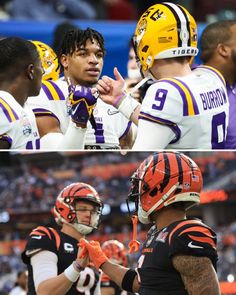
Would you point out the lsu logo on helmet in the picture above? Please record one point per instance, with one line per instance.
(165, 31)
(49, 61)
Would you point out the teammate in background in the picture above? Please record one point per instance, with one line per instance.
(78, 106)
(179, 255)
(82, 58)
(21, 284)
(218, 50)
(51, 253)
(20, 77)
(49, 61)
(183, 108)
(117, 253)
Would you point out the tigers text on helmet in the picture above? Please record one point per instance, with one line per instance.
(64, 210)
(162, 179)
(116, 252)
(164, 31)
(49, 61)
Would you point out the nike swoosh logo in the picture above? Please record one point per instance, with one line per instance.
(191, 245)
(36, 237)
(110, 112)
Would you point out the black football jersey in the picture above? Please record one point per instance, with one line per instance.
(156, 272)
(65, 247)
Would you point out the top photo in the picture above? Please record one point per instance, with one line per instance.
(117, 75)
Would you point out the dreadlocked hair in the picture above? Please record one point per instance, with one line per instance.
(77, 38)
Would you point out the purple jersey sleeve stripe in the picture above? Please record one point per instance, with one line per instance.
(195, 107)
(47, 92)
(213, 70)
(172, 125)
(184, 98)
(58, 90)
(126, 130)
(8, 111)
(43, 112)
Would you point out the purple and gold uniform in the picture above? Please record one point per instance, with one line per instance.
(18, 126)
(195, 107)
(231, 131)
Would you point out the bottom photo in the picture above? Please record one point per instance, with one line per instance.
(118, 223)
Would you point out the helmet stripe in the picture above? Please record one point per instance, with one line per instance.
(166, 173)
(180, 172)
(182, 23)
(187, 24)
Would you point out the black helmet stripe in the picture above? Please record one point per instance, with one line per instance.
(166, 172)
(181, 20)
(187, 24)
(155, 161)
(180, 168)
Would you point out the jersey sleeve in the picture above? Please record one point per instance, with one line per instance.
(195, 239)
(41, 238)
(162, 104)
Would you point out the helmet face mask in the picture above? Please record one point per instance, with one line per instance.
(64, 210)
(164, 31)
(162, 179)
(49, 61)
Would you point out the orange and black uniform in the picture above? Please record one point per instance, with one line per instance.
(156, 271)
(65, 247)
(106, 282)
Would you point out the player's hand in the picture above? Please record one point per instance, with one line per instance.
(110, 89)
(82, 257)
(94, 251)
(82, 103)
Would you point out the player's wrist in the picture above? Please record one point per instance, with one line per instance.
(119, 99)
(78, 266)
(127, 105)
(71, 273)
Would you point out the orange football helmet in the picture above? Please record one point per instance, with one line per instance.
(162, 179)
(64, 210)
(116, 252)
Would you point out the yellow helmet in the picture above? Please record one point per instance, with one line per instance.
(49, 61)
(163, 31)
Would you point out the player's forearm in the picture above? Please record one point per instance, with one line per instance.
(116, 273)
(58, 285)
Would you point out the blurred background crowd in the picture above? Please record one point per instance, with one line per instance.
(29, 184)
(107, 9)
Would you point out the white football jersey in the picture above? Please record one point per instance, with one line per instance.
(53, 101)
(195, 107)
(17, 125)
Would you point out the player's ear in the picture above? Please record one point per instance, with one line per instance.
(223, 49)
(64, 61)
(30, 71)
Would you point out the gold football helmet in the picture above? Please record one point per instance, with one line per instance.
(165, 30)
(49, 61)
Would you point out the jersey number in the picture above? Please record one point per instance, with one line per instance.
(33, 145)
(218, 131)
(160, 98)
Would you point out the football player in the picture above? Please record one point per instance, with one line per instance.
(183, 108)
(117, 253)
(20, 76)
(179, 255)
(79, 101)
(82, 57)
(51, 254)
(218, 50)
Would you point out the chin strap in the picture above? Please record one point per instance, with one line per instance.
(134, 244)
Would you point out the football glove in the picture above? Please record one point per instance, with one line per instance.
(82, 103)
(93, 249)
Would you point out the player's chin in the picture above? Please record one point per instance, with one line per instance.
(92, 80)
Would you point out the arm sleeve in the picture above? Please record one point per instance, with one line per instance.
(73, 139)
(152, 136)
(44, 266)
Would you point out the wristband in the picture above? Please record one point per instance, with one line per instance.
(71, 273)
(128, 105)
(77, 266)
(128, 280)
(119, 99)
